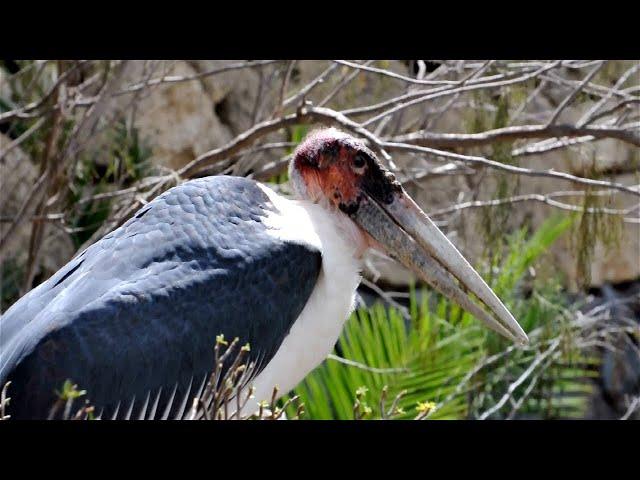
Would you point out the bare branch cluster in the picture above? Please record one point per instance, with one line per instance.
(401, 127)
(583, 331)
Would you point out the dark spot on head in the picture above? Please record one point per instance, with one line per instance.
(331, 149)
(349, 208)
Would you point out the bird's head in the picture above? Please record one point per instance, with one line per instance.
(339, 172)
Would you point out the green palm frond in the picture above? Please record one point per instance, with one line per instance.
(443, 355)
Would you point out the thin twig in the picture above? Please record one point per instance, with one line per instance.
(397, 76)
(283, 88)
(633, 406)
(26, 134)
(574, 93)
(29, 110)
(187, 78)
(362, 366)
(546, 199)
(512, 387)
(304, 91)
(466, 140)
(590, 116)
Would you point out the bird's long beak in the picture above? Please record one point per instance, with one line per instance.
(409, 236)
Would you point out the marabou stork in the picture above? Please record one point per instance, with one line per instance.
(136, 315)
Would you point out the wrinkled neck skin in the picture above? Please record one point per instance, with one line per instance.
(359, 239)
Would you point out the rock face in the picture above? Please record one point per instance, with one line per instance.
(233, 93)
(177, 121)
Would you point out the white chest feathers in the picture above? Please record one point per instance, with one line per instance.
(318, 327)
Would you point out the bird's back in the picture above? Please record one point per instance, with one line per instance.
(137, 313)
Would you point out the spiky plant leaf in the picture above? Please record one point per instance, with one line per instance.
(444, 356)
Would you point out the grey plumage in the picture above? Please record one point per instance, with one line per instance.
(139, 310)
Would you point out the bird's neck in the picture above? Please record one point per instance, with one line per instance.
(335, 222)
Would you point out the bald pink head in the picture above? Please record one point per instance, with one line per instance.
(336, 169)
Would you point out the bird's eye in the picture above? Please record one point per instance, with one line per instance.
(359, 161)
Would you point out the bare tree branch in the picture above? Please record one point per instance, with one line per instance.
(28, 111)
(573, 94)
(463, 88)
(465, 140)
(391, 146)
(547, 199)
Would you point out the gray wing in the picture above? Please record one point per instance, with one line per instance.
(139, 311)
